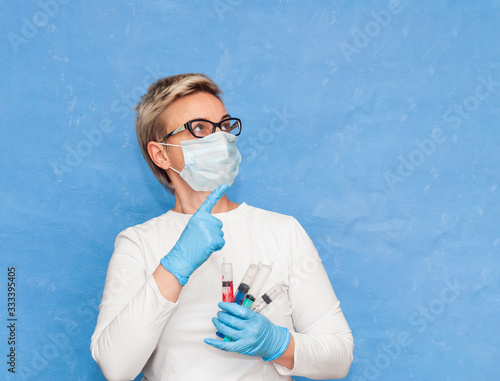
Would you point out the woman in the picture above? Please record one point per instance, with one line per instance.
(164, 279)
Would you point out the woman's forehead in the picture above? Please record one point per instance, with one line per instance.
(199, 105)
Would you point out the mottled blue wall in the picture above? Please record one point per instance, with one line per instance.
(374, 123)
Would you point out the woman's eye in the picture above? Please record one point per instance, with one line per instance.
(226, 126)
(198, 128)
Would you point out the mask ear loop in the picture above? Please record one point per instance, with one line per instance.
(172, 145)
(173, 169)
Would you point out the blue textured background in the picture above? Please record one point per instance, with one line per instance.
(374, 124)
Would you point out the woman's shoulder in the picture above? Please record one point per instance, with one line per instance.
(164, 222)
(268, 217)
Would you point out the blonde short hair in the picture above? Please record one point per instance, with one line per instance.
(159, 96)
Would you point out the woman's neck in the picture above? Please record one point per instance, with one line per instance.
(188, 201)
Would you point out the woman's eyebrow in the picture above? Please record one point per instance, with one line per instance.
(204, 118)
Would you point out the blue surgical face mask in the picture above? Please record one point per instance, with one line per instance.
(209, 161)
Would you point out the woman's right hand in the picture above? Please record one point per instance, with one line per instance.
(201, 237)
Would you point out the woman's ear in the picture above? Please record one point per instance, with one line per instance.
(158, 154)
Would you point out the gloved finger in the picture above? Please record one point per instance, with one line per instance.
(216, 243)
(219, 244)
(226, 330)
(213, 198)
(207, 221)
(222, 345)
(215, 230)
(213, 221)
(231, 320)
(237, 310)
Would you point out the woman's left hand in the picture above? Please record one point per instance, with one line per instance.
(253, 334)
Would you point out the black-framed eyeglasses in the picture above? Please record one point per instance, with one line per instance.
(200, 128)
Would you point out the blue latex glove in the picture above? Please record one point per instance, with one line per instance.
(201, 237)
(253, 334)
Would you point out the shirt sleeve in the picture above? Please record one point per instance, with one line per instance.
(323, 340)
(132, 313)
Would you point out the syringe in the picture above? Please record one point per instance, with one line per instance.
(227, 281)
(270, 296)
(243, 288)
(245, 284)
(227, 285)
(259, 281)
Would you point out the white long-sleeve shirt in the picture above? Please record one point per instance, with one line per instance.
(138, 329)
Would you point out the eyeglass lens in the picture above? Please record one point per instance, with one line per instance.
(205, 128)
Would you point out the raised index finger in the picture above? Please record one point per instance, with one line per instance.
(213, 198)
